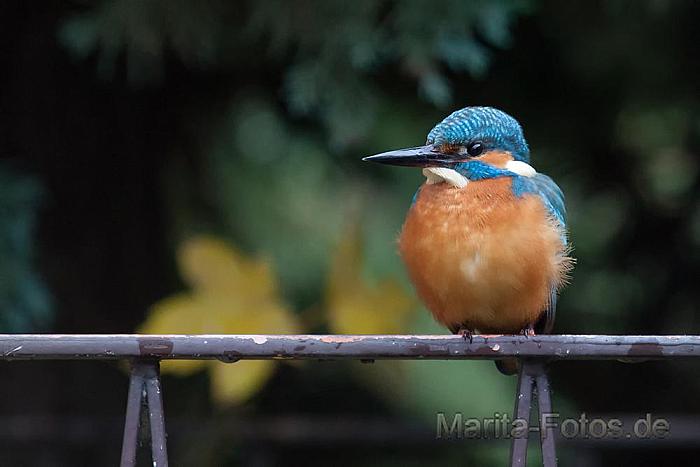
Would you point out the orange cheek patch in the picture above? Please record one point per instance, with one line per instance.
(495, 158)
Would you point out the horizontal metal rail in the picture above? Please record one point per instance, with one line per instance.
(146, 351)
(231, 348)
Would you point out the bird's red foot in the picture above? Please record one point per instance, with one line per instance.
(466, 334)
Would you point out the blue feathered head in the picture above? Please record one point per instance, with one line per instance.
(462, 137)
(492, 128)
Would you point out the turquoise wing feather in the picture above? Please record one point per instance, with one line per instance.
(553, 199)
(548, 191)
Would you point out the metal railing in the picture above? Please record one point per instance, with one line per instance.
(146, 351)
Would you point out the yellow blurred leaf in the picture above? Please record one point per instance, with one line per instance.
(356, 307)
(381, 310)
(209, 264)
(232, 294)
(346, 267)
(178, 314)
(233, 383)
(266, 318)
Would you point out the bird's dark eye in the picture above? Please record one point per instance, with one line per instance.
(475, 148)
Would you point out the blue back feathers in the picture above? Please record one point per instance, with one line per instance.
(548, 191)
(494, 128)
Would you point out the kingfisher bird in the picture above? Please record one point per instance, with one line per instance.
(484, 241)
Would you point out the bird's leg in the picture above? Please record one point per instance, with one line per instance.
(466, 334)
(528, 331)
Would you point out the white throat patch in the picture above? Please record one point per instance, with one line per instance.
(444, 175)
(521, 168)
(436, 175)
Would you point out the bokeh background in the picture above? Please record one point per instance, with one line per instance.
(194, 166)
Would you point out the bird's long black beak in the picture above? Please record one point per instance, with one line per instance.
(420, 156)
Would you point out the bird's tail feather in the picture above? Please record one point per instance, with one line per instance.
(508, 366)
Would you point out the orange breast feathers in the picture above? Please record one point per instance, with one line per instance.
(481, 258)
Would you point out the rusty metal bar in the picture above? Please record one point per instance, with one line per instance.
(146, 351)
(229, 348)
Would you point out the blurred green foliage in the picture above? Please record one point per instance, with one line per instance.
(248, 120)
(272, 170)
(331, 51)
(24, 300)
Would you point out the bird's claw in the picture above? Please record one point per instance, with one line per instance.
(466, 334)
(528, 331)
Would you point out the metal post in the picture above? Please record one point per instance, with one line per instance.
(544, 404)
(145, 381)
(155, 415)
(523, 405)
(133, 415)
(533, 377)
